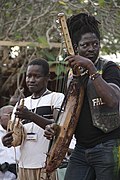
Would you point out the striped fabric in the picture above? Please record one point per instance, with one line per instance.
(35, 174)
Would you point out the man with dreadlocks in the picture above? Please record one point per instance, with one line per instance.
(97, 151)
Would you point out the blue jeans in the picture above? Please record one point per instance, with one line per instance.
(101, 162)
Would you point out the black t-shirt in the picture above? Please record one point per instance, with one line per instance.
(86, 134)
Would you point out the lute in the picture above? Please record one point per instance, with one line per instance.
(68, 119)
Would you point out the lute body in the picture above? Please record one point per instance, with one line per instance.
(68, 119)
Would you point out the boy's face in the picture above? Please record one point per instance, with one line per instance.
(89, 46)
(35, 79)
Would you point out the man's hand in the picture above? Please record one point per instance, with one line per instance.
(51, 130)
(7, 139)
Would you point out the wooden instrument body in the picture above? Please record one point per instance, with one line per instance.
(16, 126)
(18, 132)
(69, 117)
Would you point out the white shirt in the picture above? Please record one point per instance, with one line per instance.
(10, 155)
(33, 153)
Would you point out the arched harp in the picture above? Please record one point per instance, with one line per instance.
(69, 118)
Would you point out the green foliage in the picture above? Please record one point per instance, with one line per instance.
(47, 55)
(60, 69)
(101, 3)
(30, 20)
(42, 40)
(18, 36)
(62, 3)
(35, 21)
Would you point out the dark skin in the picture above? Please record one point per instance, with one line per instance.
(36, 81)
(88, 51)
(5, 117)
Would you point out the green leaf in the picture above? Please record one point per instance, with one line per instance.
(101, 3)
(47, 55)
(62, 3)
(42, 40)
(18, 36)
(60, 68)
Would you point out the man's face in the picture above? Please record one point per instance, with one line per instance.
(5, 116)
(35, 79)
(89, 46)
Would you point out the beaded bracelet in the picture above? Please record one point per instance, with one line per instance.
(94, 76)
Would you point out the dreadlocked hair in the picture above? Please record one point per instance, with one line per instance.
(81, 24)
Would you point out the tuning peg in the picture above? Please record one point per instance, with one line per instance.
(63, 42)
(59, 27)
(57, 21)
(61, 14)
(65, 50)
(61, 34)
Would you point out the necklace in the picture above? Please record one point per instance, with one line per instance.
(39, 99)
